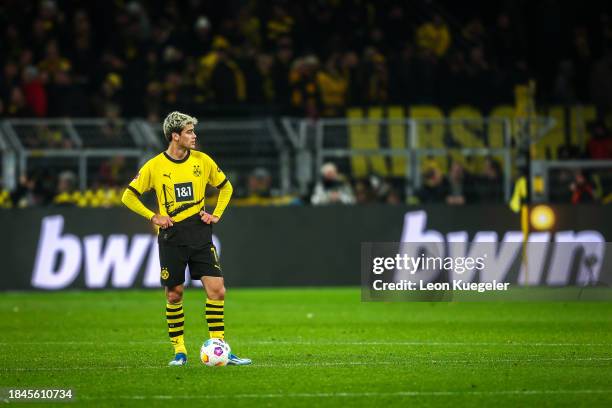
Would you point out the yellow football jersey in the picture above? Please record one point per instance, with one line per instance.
(179, 185)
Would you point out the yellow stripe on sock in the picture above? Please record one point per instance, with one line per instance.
(175, 329)
(170, 314)
(215, 302)
(211, 326)
(180, 319)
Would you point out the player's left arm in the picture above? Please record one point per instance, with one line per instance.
(218, 179)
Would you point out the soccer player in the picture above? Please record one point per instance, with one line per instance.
(179, 177)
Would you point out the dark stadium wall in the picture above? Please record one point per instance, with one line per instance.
(52, 249)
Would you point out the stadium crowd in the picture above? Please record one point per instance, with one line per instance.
(144, 58)
(123, 59)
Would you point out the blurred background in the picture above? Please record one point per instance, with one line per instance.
(344, 102)
(338, 122)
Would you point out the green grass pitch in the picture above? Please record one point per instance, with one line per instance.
(311, 348)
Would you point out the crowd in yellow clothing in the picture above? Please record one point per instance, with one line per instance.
(91, 198)
(101, 197)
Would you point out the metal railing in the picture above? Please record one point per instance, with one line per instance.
(542, 185)
(70, 143)
(239, 146)
(404, 143)
(292, 150)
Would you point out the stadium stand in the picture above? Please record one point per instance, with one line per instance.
(129, 63)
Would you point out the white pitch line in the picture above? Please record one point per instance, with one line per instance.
(423, 343)
(330, 343)
(349, 394)
(321, 364)
(82, 343)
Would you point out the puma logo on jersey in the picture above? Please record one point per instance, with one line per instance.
(168, 175)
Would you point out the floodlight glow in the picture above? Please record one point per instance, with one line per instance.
(542, 217)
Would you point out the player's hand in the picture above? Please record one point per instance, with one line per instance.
(162, 221)
(208, 218)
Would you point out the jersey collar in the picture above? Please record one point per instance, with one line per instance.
(183, 160)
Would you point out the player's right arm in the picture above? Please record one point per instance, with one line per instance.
(143, 183)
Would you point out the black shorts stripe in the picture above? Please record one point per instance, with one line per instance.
(214, 320)
(178, 316)
(179, 324)
(133, 190)
(214, 306)
(214, 312)
(222, 183)
(176, 334)
(220, 328)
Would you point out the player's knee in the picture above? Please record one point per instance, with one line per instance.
(175, 296)
(217, 293)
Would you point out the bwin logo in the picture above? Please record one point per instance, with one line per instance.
(114, 261)
(551, 257)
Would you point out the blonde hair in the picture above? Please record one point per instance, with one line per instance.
(176, 122)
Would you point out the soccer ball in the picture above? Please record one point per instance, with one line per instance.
(215, 352)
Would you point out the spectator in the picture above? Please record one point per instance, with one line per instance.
(564, 83)
(280, 24)
(145, 43)
(582, 189)
(332, 188)
(385, 190)
(280, 71)
(34, 91)
(305, 96)
(53, 61)
(226, 79)
(66, 186)
(601, 84)
(350, 70)
(363, 192)
(600, 145)
(5, 198)
(257, 70)
(507, 41)
(113, 171)
(376, 86)
(402, 76)
(435, 186)
(480, 77)
(17, 106)
(83, 55)
(108, 99)
(489, 186)
(582, 63)
(259, 186)
(10, 80)
(474, 32)
(201, 41)
(434, 36)
(456, 185)
(30, 192)
(260, 183)
(333, 87)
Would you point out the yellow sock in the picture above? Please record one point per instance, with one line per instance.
(176, 320)
(214, 318)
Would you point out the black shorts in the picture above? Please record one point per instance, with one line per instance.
(202, 261)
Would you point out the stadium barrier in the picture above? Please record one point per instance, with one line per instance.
(58, 248)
